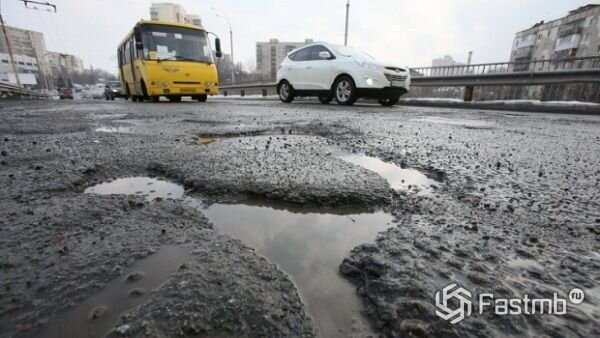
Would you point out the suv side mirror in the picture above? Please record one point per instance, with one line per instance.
(324, 55)
(218, 53)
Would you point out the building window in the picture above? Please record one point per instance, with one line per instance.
(21, 63)
(29, 64)
(6, 61)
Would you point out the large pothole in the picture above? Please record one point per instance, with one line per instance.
(307, 244)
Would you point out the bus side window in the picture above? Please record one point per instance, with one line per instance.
(126, 56)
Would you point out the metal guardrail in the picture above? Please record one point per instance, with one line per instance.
(11, 91)
(545, 65)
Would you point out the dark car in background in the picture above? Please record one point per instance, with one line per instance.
(65, 93)
(113, 89)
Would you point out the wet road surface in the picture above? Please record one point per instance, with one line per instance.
(295, 219)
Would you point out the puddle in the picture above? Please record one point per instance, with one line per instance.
(398, 178)
(455, 121)
(205, 140)
(150, 188)
(524, 263)
(305, 243)
(117, 296)
(113, 129)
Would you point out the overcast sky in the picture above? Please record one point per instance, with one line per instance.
(410, 33)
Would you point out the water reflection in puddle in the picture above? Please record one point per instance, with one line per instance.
(95, 316)
(113, 129)
(309, 246)
(305, 243)
(150, 188)
(398, 178)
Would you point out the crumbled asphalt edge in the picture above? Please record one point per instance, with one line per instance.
(512, 191)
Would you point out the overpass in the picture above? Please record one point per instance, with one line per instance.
(528, 73)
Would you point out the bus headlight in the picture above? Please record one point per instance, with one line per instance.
(209, 84)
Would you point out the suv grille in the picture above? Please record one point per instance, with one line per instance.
(392, 77)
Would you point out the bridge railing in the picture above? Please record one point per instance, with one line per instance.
(545, 65)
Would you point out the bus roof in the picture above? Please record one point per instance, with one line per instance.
(163, 23)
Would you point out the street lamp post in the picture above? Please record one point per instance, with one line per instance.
(346, 28)
(221, 15)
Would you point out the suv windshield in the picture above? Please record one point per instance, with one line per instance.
(174, 43)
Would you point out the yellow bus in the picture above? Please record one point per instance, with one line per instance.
(169, 59)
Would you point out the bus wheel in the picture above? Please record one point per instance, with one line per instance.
(175, 98)
(155, 98)
(202, 98)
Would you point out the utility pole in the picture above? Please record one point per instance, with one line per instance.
(10, 51)
(470, 57)
(346, 31)
(231, 44)
(220, 14)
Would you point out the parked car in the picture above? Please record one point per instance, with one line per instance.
(65, 93)
(331, 71)
(113, 89)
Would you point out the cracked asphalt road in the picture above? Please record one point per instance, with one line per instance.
(517, 212)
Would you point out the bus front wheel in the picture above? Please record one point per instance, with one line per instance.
(202, 98)
(175, 99)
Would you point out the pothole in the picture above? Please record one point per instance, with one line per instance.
(95, 316)
(307, 244)
(398, 178)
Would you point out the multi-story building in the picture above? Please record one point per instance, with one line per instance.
(63, 65)
(576, 35)
(27, 44)
(270, 54)
(445, 61)
(173, 12)
(27, 67)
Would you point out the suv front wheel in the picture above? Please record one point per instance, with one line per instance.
(285, 91)
(344, 91)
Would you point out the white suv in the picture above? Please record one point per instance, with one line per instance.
(344, 73)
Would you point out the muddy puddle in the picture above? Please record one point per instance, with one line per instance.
(307, 244)
(95, 316)
(398, 178)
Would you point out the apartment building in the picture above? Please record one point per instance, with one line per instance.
(167, 11)
(270, 54)
(64, 63)
(576, 35)
(29, 47)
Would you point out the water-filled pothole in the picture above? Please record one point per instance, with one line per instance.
(398, 178)
(147, 187)
(305, 243)
(95, 316)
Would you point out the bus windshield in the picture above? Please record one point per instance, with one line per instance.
(176, 44)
